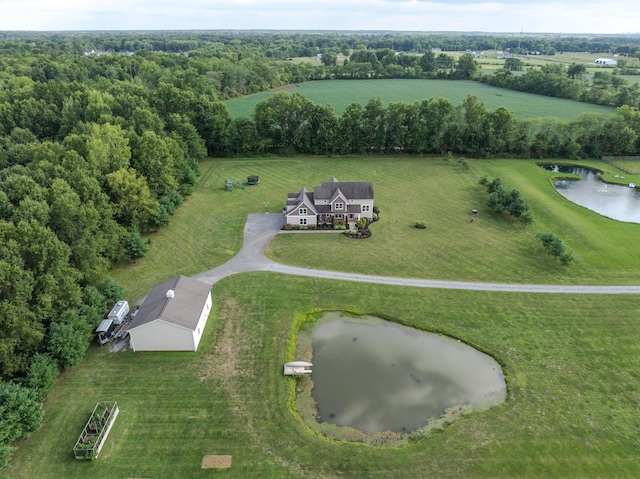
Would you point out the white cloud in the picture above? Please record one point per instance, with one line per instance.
(453, 15)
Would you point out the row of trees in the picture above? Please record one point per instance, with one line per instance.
(501, 199)
(603, 88)
(285, 44)
(234, 68)
(290, 123)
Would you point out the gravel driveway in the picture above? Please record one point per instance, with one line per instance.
(260, 229)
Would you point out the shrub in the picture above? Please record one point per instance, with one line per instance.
(556, 248)
(112, 291)
(20, 414)
(66, 343)
(134, 247)
(41, 375)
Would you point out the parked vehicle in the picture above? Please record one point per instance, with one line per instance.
(106, 330)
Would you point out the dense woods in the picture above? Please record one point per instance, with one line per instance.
(96, 149)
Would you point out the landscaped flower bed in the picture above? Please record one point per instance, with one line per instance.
(95, 432)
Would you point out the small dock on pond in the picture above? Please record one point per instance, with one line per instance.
(297, 367)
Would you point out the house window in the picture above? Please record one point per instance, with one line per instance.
(303, 212)
(338, 217)
(339, 206)
(365, 208)
(303, 221)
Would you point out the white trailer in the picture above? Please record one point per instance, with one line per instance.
(119, 312)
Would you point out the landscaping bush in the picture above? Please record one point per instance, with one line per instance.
(41, 375)
(555, 247)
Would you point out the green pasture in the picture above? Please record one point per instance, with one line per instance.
(571, 361)
(341, 93)
(491, 248)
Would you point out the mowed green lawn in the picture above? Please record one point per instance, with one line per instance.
(571, 361)
(341, 93)
(491, 248)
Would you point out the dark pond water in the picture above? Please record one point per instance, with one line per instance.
(613, 201)
(386, 377)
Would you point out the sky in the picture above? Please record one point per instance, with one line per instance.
(533, 16)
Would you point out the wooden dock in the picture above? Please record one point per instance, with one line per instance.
(297, 367)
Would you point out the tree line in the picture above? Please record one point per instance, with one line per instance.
(290, 123)
(286, 44)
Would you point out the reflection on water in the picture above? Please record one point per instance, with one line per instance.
(387, 377)
(613, 201)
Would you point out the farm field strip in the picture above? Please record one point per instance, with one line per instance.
(341, 93)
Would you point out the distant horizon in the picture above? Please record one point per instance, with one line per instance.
(559, 17)
(289, 30)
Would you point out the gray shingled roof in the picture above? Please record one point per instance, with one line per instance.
(296, 199)
(353, 190)
(183, 309)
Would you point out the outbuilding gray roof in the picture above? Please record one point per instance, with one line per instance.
(183, 309)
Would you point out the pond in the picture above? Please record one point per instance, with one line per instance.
(380, 376)
(617, 202)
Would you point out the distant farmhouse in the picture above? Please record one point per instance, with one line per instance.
(605, 62)
(332, 203)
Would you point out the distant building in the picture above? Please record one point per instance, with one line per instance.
(605, 62)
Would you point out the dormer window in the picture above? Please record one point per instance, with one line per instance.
(339, 206)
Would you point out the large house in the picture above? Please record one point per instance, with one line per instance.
(332, 203)
(172, 316)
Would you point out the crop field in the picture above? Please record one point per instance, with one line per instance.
(571, 361)
(341, 93)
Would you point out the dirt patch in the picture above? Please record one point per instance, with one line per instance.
(118, 345)
(222, 362)
(217, 462)
(291, 86)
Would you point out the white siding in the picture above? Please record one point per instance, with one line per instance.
(366, 214)
(202, 322)
(161, 336)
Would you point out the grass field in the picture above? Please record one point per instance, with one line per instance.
(341, 93)
(571, 361)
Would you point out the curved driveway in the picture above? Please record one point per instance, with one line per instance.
(260, 229)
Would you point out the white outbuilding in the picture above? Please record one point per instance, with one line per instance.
(172, 317)
(606, 62)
